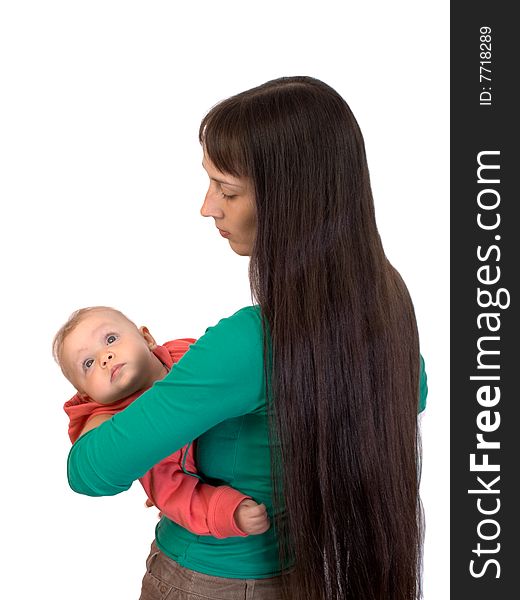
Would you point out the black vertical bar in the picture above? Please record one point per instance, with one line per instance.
(485, 256)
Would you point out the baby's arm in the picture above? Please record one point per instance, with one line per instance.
(199, 507)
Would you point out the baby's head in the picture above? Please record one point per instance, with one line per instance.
(106, 356)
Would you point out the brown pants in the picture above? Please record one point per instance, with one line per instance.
(166, 580)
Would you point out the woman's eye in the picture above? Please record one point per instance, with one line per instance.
(111, 339)
(88, 363)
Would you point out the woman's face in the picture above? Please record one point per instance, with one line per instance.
(231, 202)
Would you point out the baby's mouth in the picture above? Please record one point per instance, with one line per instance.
(114, 372)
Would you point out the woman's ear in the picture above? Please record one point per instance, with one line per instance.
(148, 337)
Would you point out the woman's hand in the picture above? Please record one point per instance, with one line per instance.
(251, 517)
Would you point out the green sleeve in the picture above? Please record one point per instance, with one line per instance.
(423, 387)
(219, 378)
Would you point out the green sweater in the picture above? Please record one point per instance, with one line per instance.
(215, 393)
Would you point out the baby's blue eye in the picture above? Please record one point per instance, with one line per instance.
(88, 363)
(111, 339)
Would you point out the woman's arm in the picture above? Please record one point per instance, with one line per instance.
(219, 378)
(423, 386)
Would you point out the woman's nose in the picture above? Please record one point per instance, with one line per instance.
(211, 206)
(106, 358)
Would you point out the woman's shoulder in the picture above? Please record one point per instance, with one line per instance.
(243, 324)
(228, 361)
(234, 340)
(248, 313)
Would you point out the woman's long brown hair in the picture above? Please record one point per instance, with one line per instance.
(342, 350)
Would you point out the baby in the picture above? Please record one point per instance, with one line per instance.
(111, 362)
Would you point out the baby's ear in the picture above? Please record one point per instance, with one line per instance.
(148, 337)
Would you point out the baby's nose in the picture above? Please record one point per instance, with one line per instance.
(107, 358)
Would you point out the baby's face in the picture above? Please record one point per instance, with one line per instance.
(107, 357)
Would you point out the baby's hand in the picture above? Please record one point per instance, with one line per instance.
(251, 517)
(149, 504)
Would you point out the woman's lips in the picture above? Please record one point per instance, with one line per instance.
(115, 371)
(223, 233)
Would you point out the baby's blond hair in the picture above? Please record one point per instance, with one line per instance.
(72, 322)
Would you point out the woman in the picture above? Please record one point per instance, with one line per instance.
(309, 402)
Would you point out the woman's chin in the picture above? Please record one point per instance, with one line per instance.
(240, 249)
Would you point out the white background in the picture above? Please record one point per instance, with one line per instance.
(101, 185)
